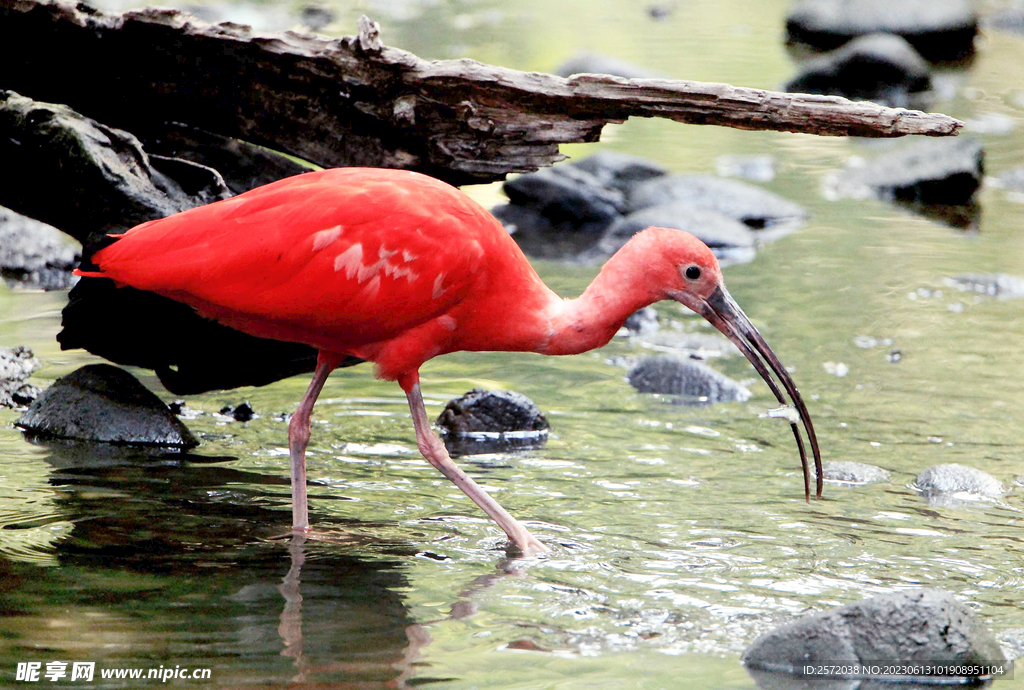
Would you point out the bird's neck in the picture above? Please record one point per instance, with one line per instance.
(590, 320)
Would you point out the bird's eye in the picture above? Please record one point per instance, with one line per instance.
(693, 272)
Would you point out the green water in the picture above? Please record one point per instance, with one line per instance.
(678, 534)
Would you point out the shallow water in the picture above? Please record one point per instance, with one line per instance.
(679, 534)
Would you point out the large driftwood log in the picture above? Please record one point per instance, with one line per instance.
(353, 101)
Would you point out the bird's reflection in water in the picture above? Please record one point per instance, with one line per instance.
(175, 562)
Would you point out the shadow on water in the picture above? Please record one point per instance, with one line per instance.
(171, 563)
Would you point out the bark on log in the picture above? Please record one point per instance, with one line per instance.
(353, 101)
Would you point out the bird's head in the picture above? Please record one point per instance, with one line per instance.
(680, 267)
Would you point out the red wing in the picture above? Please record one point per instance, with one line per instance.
(364, 254)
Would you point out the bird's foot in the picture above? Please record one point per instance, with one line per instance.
(529, 545)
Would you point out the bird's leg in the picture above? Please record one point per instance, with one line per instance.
(436, 454)
(298, 438)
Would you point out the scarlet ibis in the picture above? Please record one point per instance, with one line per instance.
(394, 267)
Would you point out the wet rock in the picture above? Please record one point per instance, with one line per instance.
(728, 238)
(997, 285)
(619, 170)
(35, 254)
(927, 171)
(953, 478)
(567, 196)
(538, 237)
(692, 382)
(939, 31)
(484, 421)
(926, 626)
(755, 168)
(847, 472)
(596, 63)
(642, 321)
(883, 68)
(16, 364)
(751, 205)
(240, 413)
(59, 153)
(100, 402)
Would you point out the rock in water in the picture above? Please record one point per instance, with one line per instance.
(100, 402)
(847, 472)
(484, 421)
(925, 626)
(16, 364)
(940, 31)
(883, 68)
(953, 478)
(693, 382)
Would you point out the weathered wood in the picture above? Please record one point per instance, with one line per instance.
(353, 101)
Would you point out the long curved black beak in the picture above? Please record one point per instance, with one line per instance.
(724, 314)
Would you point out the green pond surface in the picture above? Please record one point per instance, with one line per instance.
(678, 534)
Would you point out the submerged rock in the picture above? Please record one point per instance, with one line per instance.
(848, 472)
(694, 383)
(925, 626)
(953, 478)
(755, 207)
(883, 68)
(100, 402)
(757, 168)
(999, 285)
(35, 254)
(484, 421)
(16, 364)
(940, 31)
(927, 171)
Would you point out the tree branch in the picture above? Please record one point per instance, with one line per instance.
(353, 101)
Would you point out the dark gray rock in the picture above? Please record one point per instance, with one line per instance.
(16, 364)
(100, 402)
(755, 207)
(926, 626)
(883, 68)
(940, 31)
(111, 181)
(847, 472)
(595, 63)
(728, 238)
(35, 254)
(926, 171)
(694, 383)
(953, 478)
(567, 195)
(619, 170)
(484, 421)
(998, 285)
(538, 237)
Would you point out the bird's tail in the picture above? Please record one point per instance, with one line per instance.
(189, 353)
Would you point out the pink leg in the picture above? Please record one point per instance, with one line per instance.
(298, 438)
(436, 454)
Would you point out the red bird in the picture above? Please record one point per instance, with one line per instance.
(395, 268)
